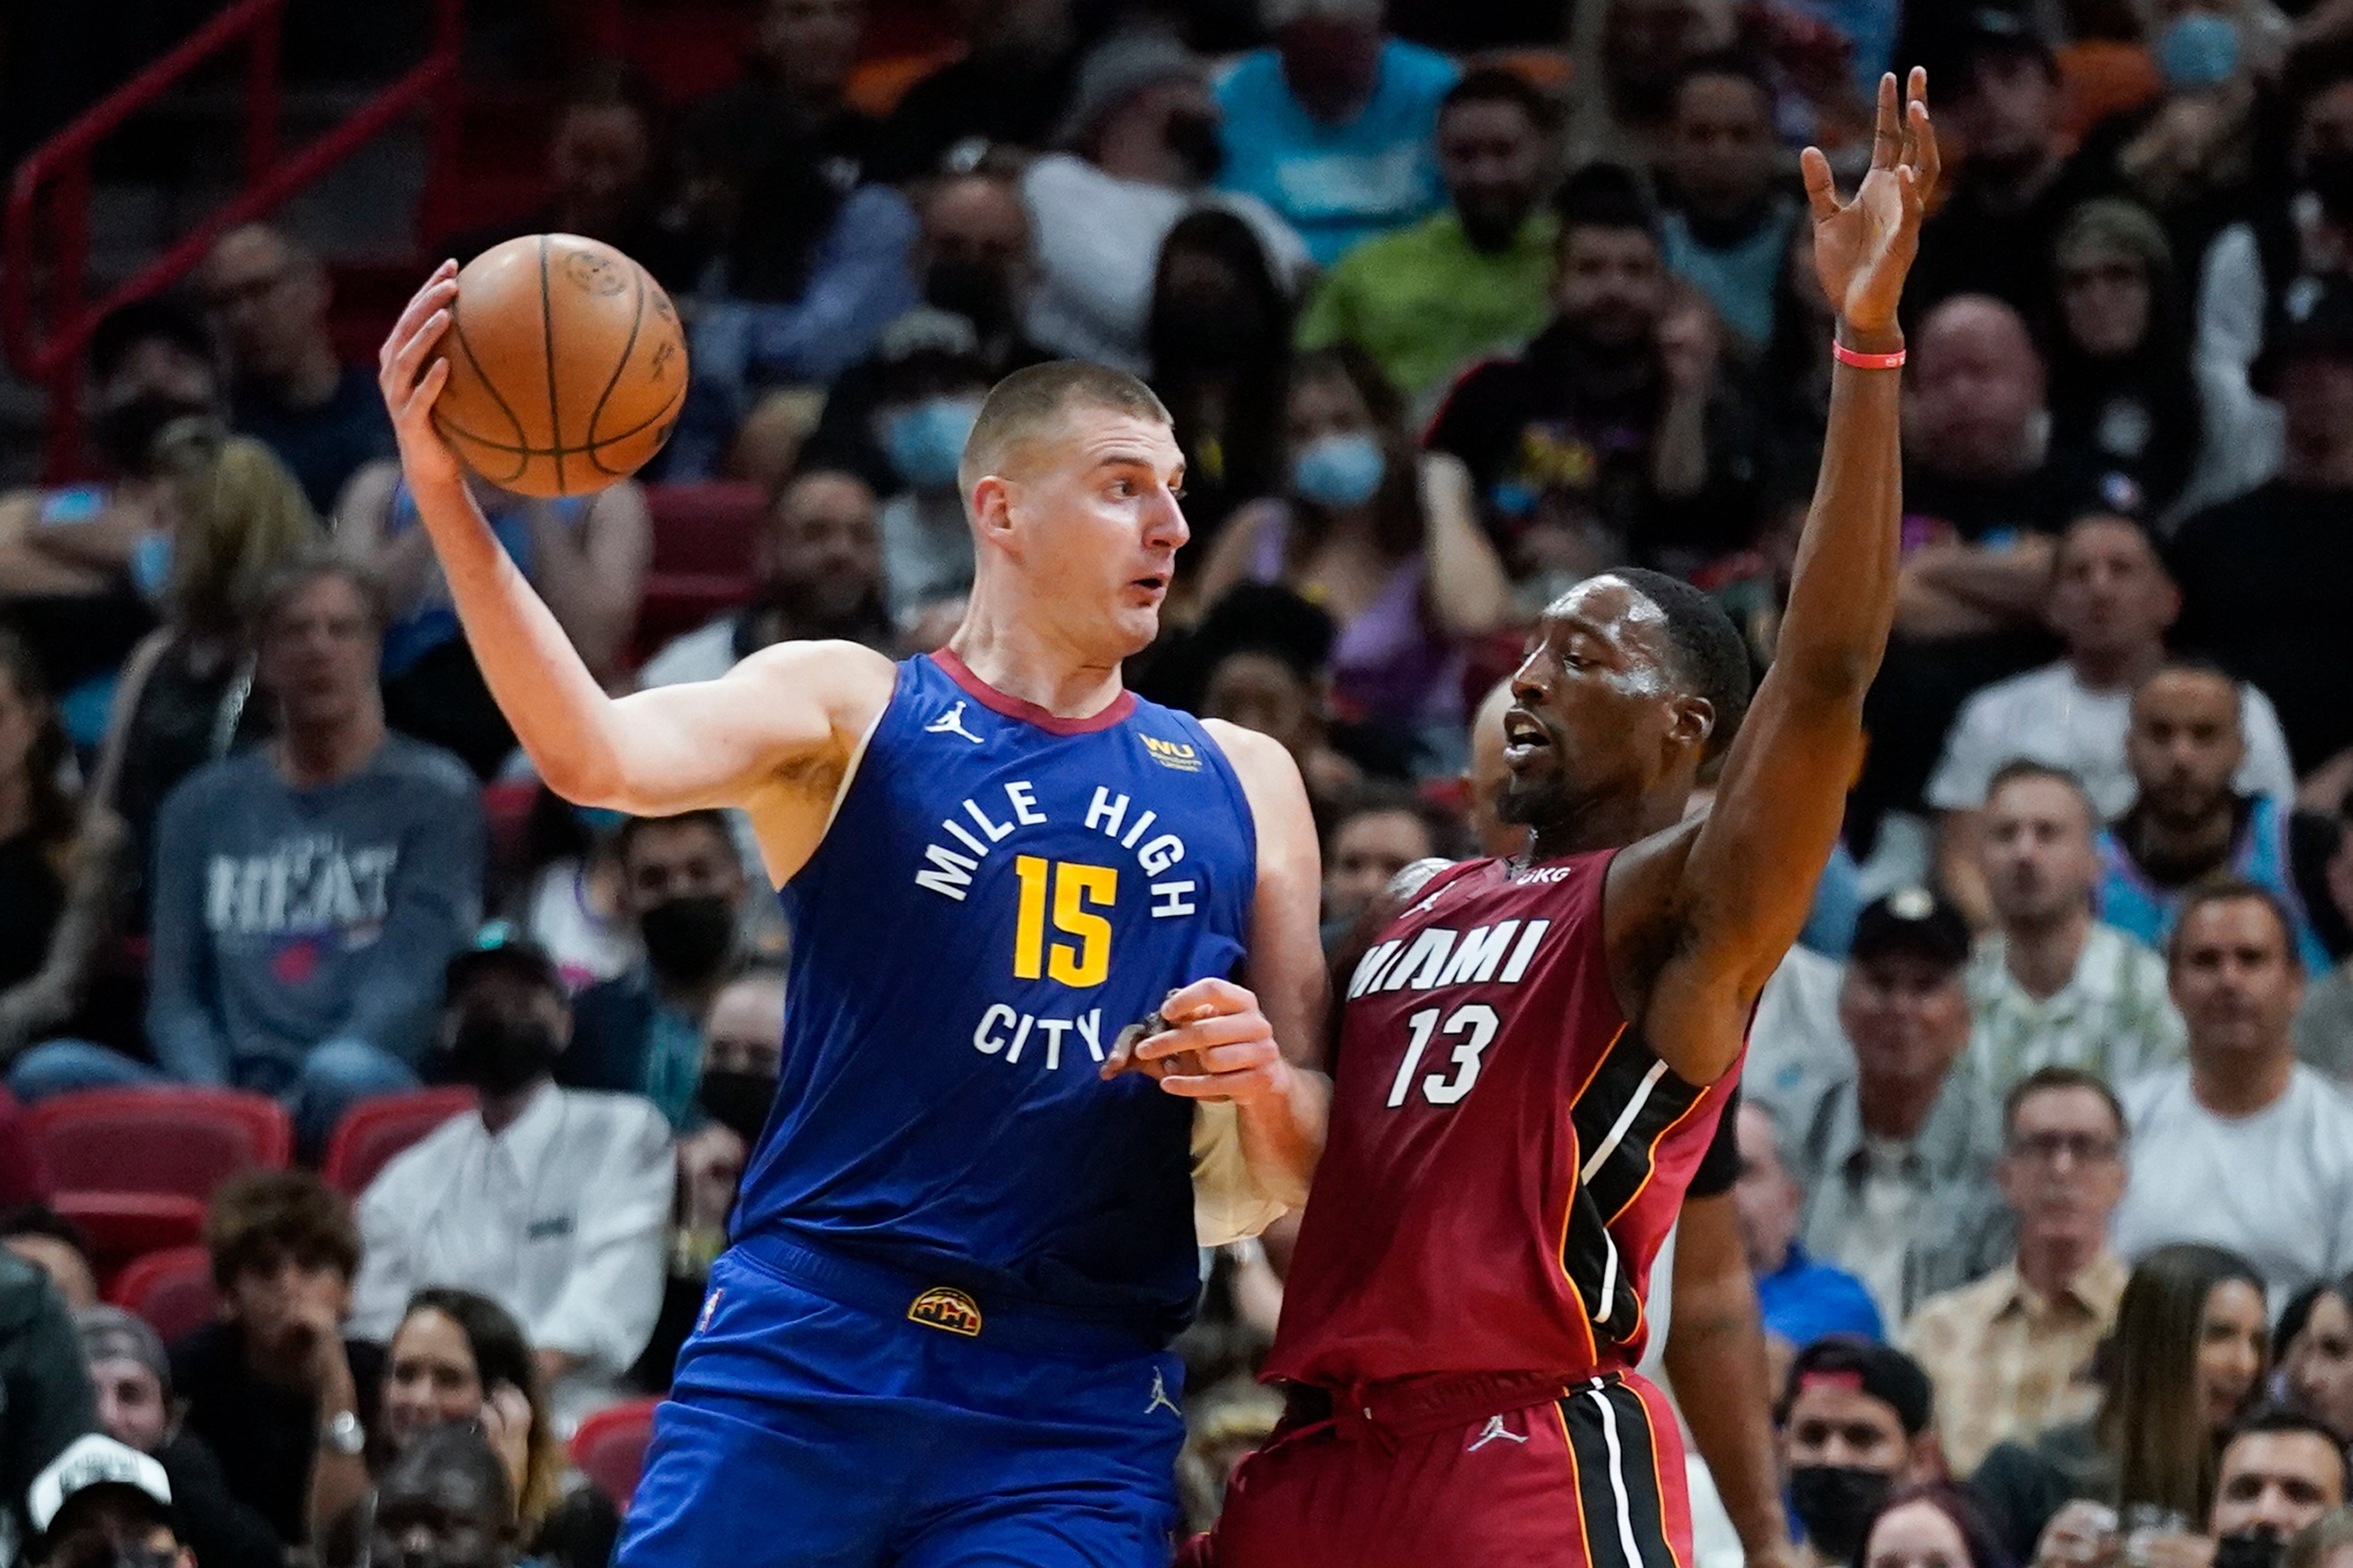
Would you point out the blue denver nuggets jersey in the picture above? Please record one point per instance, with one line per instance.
(999, 894)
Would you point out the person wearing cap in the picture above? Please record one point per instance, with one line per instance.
(1855, 1423)
(2009, 1353)
(1995, 235)
(1897, 1159)
(2249, 1149)
(1136, 151)
(132, 1375)
(101, 1501)
(2263, 576)
(1332, 126)
(550, 1201)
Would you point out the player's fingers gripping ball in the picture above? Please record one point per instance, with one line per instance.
(1208, 1041)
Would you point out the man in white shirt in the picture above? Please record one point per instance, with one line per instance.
(2051, 987)
(2245, 1147)
(550, 1201)
(2111, 602)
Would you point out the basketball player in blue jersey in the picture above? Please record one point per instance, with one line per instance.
(966, 1239)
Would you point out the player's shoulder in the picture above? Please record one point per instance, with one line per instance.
(1268, 773)
(854, 680)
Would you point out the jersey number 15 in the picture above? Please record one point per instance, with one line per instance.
(1075, 891)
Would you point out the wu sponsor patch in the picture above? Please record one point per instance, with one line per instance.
(1182, 755)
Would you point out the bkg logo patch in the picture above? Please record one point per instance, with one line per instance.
(941, 1306)
(1174, 754)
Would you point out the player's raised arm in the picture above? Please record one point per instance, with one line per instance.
(1744, 887)
(720, 743)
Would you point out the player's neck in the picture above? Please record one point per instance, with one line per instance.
(1611, 823)
(1025, 661)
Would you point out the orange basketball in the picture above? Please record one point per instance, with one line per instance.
(568, 366)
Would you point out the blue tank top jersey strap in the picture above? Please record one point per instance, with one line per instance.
(2128, 900)
(999, 893)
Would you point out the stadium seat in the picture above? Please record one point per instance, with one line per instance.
(610, 1448)
(376, 1129)
(134, 1166)
(174, 1139)
(172, 1290)
(705, 528)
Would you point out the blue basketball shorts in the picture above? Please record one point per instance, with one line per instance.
(901, 1428)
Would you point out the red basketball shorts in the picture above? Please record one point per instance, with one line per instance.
(1592, 1479)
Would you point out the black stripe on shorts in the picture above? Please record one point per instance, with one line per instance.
(1617, 1456)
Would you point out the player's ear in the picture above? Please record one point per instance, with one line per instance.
(992, 507)
(1692, 722)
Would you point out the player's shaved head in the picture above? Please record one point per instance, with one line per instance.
(1033, 404)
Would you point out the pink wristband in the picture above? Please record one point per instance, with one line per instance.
(1846, 355)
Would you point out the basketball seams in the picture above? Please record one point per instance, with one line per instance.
(636, 322)
(504, 339)
(522, 439)
(618, 436)
(547, 354)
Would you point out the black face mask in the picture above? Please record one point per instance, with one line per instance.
(1836, 1503)
(739, 1101)
(1194, 138)
(2249, 1548)
(129, 434)
(973, 289)
(499, 1055)
(687, 939)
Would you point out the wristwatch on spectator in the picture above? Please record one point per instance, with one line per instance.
(342, 1433)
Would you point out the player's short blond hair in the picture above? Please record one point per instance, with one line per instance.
(1031, 403)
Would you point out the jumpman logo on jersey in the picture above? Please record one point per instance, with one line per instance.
(1493, 1430)
(1160, 1400)
(952, 723)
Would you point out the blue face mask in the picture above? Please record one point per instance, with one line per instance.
(2200, 49)
(925, 443)
(1339, 471)
(151, 566)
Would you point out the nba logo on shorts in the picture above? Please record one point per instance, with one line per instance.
(710, 1305)
(944, 1307)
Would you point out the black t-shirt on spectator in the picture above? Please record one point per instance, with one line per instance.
(1968, 248)
(1922, 683)
(32, 896)
(324, 445)
(979, 98)
(265, 1436)
(2264, 592)
(1563, 430)
(222, 1530)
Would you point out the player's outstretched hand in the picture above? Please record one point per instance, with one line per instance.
(1863, 248)
(1218, 1045)
(411, 376)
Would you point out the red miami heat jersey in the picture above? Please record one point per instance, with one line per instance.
(1506, 1155)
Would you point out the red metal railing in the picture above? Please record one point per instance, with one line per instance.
(61, 167)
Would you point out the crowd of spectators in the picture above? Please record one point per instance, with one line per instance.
(2045, 1158)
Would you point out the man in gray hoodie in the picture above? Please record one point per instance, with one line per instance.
(307, 892)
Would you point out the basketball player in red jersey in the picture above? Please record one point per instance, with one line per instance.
(1535, 1051)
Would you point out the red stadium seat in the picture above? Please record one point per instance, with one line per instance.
(610, 1448)
(134, 1166)
(173, 1139)
(172, 1290)
(378, 1128)
(705, 528)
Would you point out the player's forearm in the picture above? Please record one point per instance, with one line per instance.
(1842, 593)
(1717, 1354)
(1282, 1135)
(561, 716)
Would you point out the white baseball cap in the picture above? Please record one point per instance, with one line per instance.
(94, 1460)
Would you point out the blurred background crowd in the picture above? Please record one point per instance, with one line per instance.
(2043, 1172)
